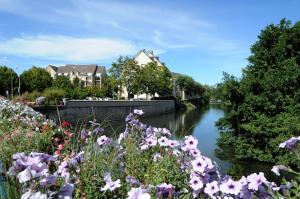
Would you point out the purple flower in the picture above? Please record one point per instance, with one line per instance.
(129, 117)
(84, 134)
(48, 181)
(256, 180)
(164, 190)
(277, 168)
(110, 185)
(290, 144)
(132, 181)
(231, 187)
(32, 171)
(43, 157)
(196, 183)
(173, 143)
(138, 193)
(138, 112)
(98, 130)
(211, 188)
(63, 169)
(190, 143)
(151, 141)
(202, 164)
(165, 131)
(77, 159)
(157, 157)
(66, 192)
(103, 140)
(33, 195)
(163, 141)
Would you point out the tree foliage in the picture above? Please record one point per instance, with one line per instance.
(8, 79)
(262, 108)
(62, 82)
(155, 79)
(35, 79)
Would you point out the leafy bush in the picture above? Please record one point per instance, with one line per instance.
(54, 95)
(29, 97)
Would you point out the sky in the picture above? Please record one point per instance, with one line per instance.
(200, 38)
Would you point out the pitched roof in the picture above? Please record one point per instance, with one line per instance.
(100, 69)
(82, 69)
(150, 54)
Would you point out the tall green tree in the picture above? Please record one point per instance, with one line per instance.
(35, 79)
(62, 82)
(155, 79)
(263, 107)
(8, 79)
(126, 73)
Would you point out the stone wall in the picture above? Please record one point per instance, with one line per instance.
(80, 111)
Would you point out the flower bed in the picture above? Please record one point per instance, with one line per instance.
(142, 162)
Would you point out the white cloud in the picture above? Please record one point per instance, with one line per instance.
(66, 48)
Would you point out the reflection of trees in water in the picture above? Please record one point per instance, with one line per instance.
(239, 168)
(185, 122)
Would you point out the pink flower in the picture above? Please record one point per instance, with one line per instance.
(61, 147)
(211, 188)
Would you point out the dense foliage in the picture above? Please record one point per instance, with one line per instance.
(35, 79)
(8, 79)
(143, 162)
(263, 107)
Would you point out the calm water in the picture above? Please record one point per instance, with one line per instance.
(201, 124)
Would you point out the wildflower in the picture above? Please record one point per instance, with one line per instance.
(66, 192)
(164, 190)
(48, 180)
(138, 193)
(151, 141)
(103, 140)
(256, 180)
(211, 188)
(195, 153)
(129, 117)
(84, 134)
(61, 147)
(277, 168)
(165, 131)
(65, 124)
(290, 144)
(231, 187)
(157, 157)
(33, 195)
(77, 159)
(163, 141)
(199, 165)
(132, 181)
(138, 112)
(190, 143)
(196, 183)
(98, 130)
(173, 143)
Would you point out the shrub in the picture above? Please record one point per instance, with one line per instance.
(29, 97)
(54, 95)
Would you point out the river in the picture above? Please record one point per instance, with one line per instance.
(201, 124)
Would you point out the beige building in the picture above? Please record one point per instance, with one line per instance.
(142, 58)
(89, 75)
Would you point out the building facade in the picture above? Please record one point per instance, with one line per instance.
(89, 75)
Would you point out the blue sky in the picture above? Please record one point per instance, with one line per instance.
(195, 37)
